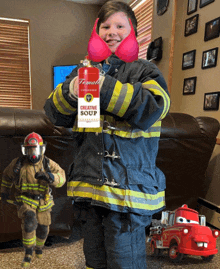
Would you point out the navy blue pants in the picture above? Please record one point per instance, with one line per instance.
(112, 240)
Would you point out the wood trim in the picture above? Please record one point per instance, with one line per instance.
(218, 141)
(172, 47)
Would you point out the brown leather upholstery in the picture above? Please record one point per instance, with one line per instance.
(185, 148)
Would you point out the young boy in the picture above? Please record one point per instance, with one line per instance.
(114, 180)
(32, 175)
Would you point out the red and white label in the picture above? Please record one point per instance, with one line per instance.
(88, 98)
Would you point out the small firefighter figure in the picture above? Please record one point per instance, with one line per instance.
(33, 174)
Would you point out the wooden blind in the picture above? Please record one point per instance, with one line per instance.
(15, 90)
(143, 10)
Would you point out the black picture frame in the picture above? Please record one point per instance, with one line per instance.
(189, 85)
(191, 25)
(212, 29)
(192, 6)
(204, 3)
(188, 60)
(162, 6)
(211, 101)
(209, 58)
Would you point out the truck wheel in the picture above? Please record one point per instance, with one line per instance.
(155, 251)
(173, 253)
(207, 258)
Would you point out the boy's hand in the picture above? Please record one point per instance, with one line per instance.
(76, 86)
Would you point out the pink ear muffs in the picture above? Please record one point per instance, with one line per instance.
(127, 51)
(98, 50)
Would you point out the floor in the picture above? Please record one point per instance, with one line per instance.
(68, 253)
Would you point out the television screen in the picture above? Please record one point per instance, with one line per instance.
(60, 72)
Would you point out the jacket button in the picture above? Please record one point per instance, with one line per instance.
(116, 70)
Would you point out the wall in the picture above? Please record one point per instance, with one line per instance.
(59, 34)
(207, 79)
(162, 26)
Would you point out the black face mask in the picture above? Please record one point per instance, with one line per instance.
(34, 160)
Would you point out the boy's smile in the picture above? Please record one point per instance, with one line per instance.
(114, 30)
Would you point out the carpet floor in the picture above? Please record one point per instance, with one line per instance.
(61, 253)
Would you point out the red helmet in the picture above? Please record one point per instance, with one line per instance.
(33, 147)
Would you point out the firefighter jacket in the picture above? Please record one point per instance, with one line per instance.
(27, 186)
(115, 165)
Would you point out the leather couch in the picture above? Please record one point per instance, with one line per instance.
(185, 148)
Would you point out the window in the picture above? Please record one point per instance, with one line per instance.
(15, 90)
(143, 10)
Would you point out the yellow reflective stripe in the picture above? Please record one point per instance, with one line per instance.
(114, 97)
(45, 207)
(6, 184)
(120, 99)
(61, 104)
(40, 243)
(131, 134)
(154, 87)
(62, 181)
(127, 100)
(28, 201)
(117, 196)
(50, 95)
(134, 134)
(87, 130)
(153, 131)
(30, 241)
(36, 187)
(129, 203)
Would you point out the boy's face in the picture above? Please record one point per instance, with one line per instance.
(114, 30)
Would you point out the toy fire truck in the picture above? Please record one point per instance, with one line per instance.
(182, 232)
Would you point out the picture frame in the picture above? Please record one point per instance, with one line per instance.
(211, 101)
(209, 58)
(192, 6)
(188, 60)
(189, 85)
(204, 3)
(212, 29)
(191, 25)
(162, 6)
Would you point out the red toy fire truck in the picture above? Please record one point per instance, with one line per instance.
(183, 231)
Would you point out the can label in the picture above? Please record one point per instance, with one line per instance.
(88, 98)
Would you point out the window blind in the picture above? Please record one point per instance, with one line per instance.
(143, 10)
(15, 90)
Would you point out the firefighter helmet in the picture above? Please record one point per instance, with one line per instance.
(33, 147)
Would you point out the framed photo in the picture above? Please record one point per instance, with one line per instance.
(204, 3)
(192, 6)
(209, 58)
(188, 59)
(162, 6)
(211, 101)
(212, 29)
(189, 85)
(191, 25)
